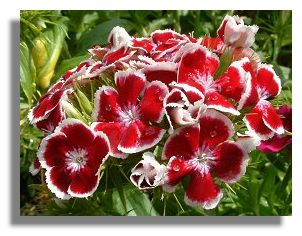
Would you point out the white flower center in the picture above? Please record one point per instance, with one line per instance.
(206, 80)
(203, 159)
(76, 159)
(129, 114)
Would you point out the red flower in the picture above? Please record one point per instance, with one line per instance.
(72, 156)
(199, 151)
(183, 105)
(128, 122)
(47, 114)
(262, 120)
(197, 68)
(278, 141)
(34, 168)
(148, 173)
(233, 32)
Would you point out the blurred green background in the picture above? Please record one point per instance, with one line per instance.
(53, 41)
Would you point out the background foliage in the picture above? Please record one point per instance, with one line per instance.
(53, 41)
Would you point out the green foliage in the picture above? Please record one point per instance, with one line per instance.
(264, 190)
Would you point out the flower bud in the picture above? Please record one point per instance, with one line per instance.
(84, 102)
(70, 111)
(148, 173)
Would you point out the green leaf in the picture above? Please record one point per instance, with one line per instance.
(99, 34)
(27, 72)
(137, 202)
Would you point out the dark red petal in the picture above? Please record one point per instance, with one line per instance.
(51, 122)
(53, 149)
(214, 44)
(58, 181)
(142, 43)
(129, 86)
(215, 128)
(195, 63)
(77, 133)
(151, 106)
(268, 83)
(269, 116)
(286, 112)
(275, 144)
(192, 94)
(106, 105)
(84, 183)
(229, 161)
(115, 55)
(256, 126)
(162, 36)
(129, 141)
(165, 72)
(140, 136)
(177, 169)
(45, 106)
(35, 166)
(114, 132)
(98, 151)
(233, 82)
(202, 191)
(184, 142)
(214, 100)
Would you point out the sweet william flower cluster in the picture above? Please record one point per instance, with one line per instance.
(205, 101)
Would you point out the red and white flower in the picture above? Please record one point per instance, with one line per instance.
(279, 141)
(124, 118)
(72, 156)
(35, 166)
(183, 105)
(148, 173)
(262, 120)
(200, 151)
(49, 106)
(234, 32)
(197, 68)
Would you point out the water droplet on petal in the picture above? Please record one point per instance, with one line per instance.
(214, 98)
(213, 133)
(176, 168)
(108, 107)
(187, 135)
(228, 89)
(149, 131)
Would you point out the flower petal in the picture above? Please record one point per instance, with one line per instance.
(84, 183)
(98, 151)
(184, 142)
(51, 122)
(198, 62)
(214, 100)
(77, 133)
(151, 106)
(177, 169)
(144, 44)
(129, 85)
(121, 54)
(232, 83)
(58, 181)
(48, 103)
(202, 191)
(53, 149)
(35, 166)
(257, 127)
(162, 36)
(268, 83)
(229, 161)
(215, 128)
(275, 144)
(140, 136)
(263, 121)
(106, 105)
(165, 72)
(269, 116)
(114, 132)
